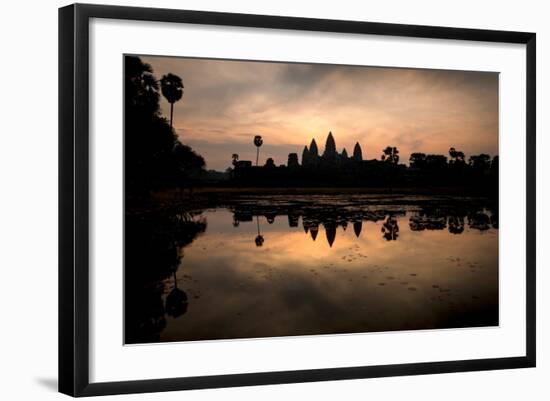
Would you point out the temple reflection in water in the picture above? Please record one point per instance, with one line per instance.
(454, 220)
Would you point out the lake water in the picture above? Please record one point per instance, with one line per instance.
(280, 266)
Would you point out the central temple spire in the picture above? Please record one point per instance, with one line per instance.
(330, 147)
(357, 153)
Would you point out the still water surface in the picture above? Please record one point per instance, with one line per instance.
(254, 269)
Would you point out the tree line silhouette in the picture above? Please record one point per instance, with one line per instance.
(337, 169)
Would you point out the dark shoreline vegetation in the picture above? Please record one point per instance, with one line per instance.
(169, 192)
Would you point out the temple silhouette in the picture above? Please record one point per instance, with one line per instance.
(330, 157)
(331, 168)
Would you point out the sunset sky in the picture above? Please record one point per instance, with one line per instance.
(226, 103)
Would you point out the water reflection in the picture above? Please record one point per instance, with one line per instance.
(408, 265)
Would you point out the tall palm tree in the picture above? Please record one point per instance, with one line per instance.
(390, 155)
(172, 89)
(258, 141)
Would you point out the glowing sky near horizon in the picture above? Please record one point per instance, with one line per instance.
(225, 103)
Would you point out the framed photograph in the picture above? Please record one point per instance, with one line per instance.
(250, 199)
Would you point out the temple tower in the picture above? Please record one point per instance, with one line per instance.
(330, 147)
(357, 153)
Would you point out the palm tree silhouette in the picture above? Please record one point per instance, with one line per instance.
(390, 155)
(172, 89)
(258, 141)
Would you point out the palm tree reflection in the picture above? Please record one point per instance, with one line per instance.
(176, 301)
(259, 240)
(456, 224)
(390, 228)
(479, 221)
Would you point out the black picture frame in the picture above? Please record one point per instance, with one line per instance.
(74, 198)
